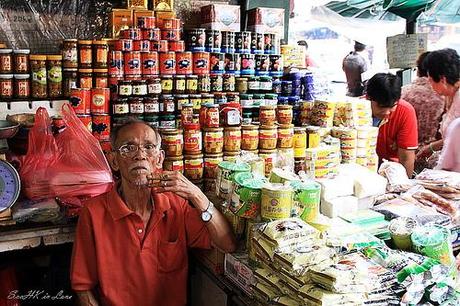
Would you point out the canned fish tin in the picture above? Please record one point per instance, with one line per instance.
(100, 98)
(270, 43)
(216, 82)
(116, 63)
(232, 63)
(213, 40)
(171, 24)
(217, 62)
(247, 64)
(307, 196)
(276, 65)
(146, 22)
(201, 64)
(176, 46)
(131, 33)
(276, 201)
(246, 195)
(124, 45)
(262, 64)
(257, 43)
(150, 63)
(196, 40)
(184, 63)
(80, 99)
(225, 174)
(151, 34)
(141, 45)
(170, 35)
(167, 63)
(87, 122)
(132, 63)
(228, 42)
(101, 126)
(243, 42)
(160, 46)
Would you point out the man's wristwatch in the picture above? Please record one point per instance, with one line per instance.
(206, 215)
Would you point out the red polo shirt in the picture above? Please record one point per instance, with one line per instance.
(399, 130)
(128, 266)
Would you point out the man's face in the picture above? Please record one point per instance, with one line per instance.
(381, 112)
(439, 87)
(136, 166)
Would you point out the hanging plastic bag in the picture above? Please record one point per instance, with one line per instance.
(70, 164)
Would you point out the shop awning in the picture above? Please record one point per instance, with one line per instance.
(408, 9)
(442, 11)
(362, 9)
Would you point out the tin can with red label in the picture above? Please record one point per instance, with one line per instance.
(116, 63)
(176, 46)
(217, 62)
(132, 63)
(131, 33)
(133, 77)
(151, 34)
(124, 45)
(150, 63)
(184, 62)
(201, 63)
(213, 40)
(160, 46)
(101, 126)
(141, 45)
(80, 99)
(170, 35)
(171, 24)
(167, 63)
(146, 22)
(87, 122)
(100, 98)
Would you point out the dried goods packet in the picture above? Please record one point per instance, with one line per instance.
(314, 295)
(441, 177)
(431, 199)
(288, 232)
(286, 301)
(263, 293)
(268, 278)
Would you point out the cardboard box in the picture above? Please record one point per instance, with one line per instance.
(120, 19)
(141, 13)
(238, 271)
(221, 17)
(163, 5)
(213, 259)
(138, 4)
(163, 15)
(266, 20)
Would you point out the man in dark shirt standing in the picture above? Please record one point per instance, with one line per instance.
(353, 65)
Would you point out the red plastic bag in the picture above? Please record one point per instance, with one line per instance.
(70, 164)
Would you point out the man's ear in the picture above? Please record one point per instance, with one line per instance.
(111, 158)
(160, 159)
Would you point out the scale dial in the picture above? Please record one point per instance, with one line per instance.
(10, 185)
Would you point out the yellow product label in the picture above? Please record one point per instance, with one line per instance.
(324, 173)
(313, 140)
(299, 152)
(322, 153)
(212, 162)
(166, 84)
(300, 141)
(172, 139)
(276, 204)
(324, 163)
(214, 136)
(285, 133)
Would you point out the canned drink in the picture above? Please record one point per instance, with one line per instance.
(170, 35)
(232, 63)
(228, 42)
(124, 45)
(116, 63)
(243, 42)
(100, 98)
(276, 65)
(171, 24)
(87, 122)
(167, 63)
(262, 64)
(184, 63)
(132, 63)
(80, 99)
(270, 43)
(141, 45)
(131, 33)
(150, 63)
(228, 82)
(247, 64)
(204, 83)
(101, 126)
(176, 46)
(217, 62)
(151, 34)
(201, 63)
(196, 40)
(213, 40)
(146, 22)
(160, 46)
(257, 43)
(216, 82)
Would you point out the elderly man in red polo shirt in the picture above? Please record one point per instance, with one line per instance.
(131, 243)
(396, 118)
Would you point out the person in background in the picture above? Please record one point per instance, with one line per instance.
(450, 155)
(397, 138)
(354, 64)
(131, 244)
(429, 106)
(308, 60)
(443, 68)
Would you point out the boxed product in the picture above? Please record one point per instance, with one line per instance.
(221, 17)
(339, 206)
(120, 19)
(137, 4)
(266, 20)
(237, 269)
(141, 13)
(163, 5)
(293, 56)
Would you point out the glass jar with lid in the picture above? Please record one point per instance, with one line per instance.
(166, 84)
(179, 84)
(232, 139)
(54, 72)
(6, 86)
(140, 88)
(136, 106)
(6, 61)
(125, 88)
(167, 104)
(21, 61)
(193, 166)
(100, 54)
(213, 140)
(174, 163)
(193, 139)
(153, 86)
(268, 136)
(285, 136)
(39, 78)
(120, 107)
(284, 114)
(211, 164)
(191, 85)
(69, 81)
(172, 142)
(85, 54)
(151, 106)
(21, 86)
(267, 115)
(249, 137)
(101, 78)
(69, 53)
(85, 78)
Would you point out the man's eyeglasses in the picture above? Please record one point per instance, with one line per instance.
(130, 150)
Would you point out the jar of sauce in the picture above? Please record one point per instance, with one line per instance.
(21, 61)
(21, 86)
(209, 116)
(211, 163)
(6, 61)
(69, 81)
(213, 140)
(85, 54)
(100, 54)
(153, 86)
(172, 142)
(120, 107)
(268, 137)
(85, 78)
(191, 84)
(6, 86)
(101, 78)
(125, 88)
(179, 84)
(249, 137)
(186, 114)
(136, 106)
(69, 53)
(151, 106)
(267, 115)
(232, 139)
(54, 72)
(285, 136)
(140, 88)
(39, 84)
(167, 84)
(193, 166)
(174, 163)
(193, 140)
(284, 114)
(167, 105)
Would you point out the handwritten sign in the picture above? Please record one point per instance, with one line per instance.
(404, 49)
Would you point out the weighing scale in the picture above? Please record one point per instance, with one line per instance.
(10, 183)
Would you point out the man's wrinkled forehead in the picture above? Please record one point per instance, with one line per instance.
(137, 133)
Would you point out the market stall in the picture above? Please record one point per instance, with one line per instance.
(293, 171)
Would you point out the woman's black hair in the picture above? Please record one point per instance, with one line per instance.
(444, 62)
